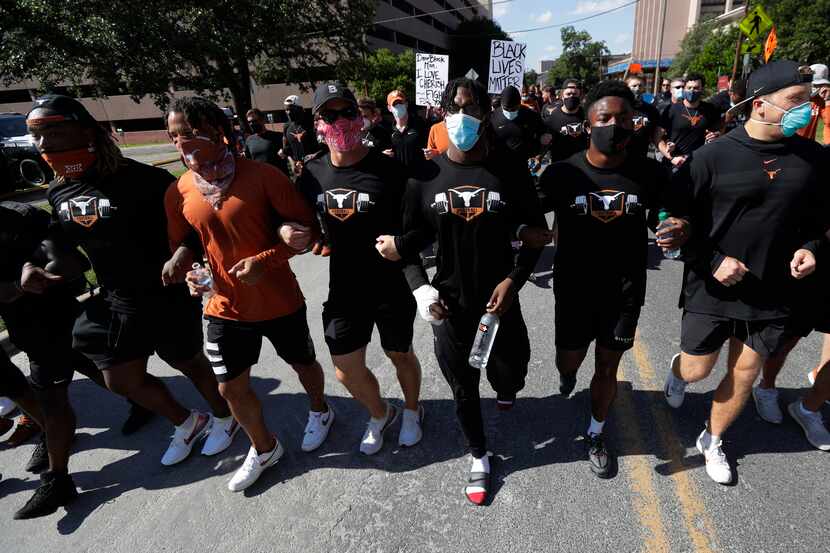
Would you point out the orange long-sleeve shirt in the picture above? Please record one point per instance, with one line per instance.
(245, 225)
(438, 139)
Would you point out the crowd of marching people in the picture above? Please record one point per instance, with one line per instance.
(730, 185)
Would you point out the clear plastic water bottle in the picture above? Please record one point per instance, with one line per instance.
(662, 217)
(203, 278)
(488, 326)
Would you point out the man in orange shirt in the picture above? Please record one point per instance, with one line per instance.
(818, 100)
(233, 204)
(438, 140)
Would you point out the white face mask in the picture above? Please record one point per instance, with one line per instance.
(510, 115)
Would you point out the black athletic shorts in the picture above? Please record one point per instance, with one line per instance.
(168, 323)
(702, 334)
(579, 321)
(348, 327)
(233, 346)
(12, 381)
(41, 326)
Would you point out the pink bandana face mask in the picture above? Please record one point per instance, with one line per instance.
(343, 135)
(212, 164)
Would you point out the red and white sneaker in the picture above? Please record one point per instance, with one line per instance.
(185, 437)
(477, 489)
(220, 436)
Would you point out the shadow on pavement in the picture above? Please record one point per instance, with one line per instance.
(538, 431)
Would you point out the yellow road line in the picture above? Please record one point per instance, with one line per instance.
(697, 521)
(640, 473)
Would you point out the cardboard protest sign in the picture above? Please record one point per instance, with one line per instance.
(507, 65)
(431, 76)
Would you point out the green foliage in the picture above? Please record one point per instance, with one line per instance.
(381, 72)
(531, 77)
(707, 49)
(580, 59)
(151, 47)
(470, 46)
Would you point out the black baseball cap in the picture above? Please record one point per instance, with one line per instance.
(331, 91)
(773, 77)
(69, 109)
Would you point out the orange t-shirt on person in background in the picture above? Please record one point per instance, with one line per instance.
(245, 225)
(438, 139)
(819, 111)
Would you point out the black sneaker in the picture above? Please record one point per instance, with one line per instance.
(139, 416)
(40, 457)
(567, 383)
(598, 456)
(56, 490)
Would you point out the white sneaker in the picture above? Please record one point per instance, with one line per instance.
(7, 406)
(812, 424)
(411, 427)
(675, 388)
(317, 429)
(220, 436)
(766, 403)
(717, 467)
(253, 467)
(372, 440)
(185, 437)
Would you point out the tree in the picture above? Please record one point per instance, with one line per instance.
(708, 49)
(581, 58)
(151, 47)
(531, 77)
(381, 72)
(470, 46)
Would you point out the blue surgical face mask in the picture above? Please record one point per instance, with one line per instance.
(462, 130)
(793, 118)
(691, 96)
(510, 115)
(678, 93)
(399, 111)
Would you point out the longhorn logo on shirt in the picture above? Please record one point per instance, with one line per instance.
(467, 201)
(693, 119)
(771, 173)
(607, 205)
(639, 122)
(85, 210)
(341, 203)
(572, 129)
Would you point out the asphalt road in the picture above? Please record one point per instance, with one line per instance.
(335, 500)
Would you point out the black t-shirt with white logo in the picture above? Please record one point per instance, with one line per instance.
(474, 212)
(603, 216)
(687, 127)
(568, 130)
(360, 203)
(409, 143)
(646, 119)
(120, 223)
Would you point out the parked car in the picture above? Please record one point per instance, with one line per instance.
(20, 163)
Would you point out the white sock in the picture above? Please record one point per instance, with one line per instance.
(386, 416)
(804, 410)
(596, 427)
(481, 464)
(709, 440)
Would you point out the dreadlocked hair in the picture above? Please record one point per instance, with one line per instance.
(197, 111)
(476, 89)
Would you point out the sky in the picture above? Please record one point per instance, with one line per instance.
(615, 28)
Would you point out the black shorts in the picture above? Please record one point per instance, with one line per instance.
(578, 323)
(702, 334)
(168, 323)
(12, 381)
(41, 327)
(348, 327)
(232, 347)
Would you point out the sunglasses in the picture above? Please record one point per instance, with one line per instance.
(679, 86)
(331, 115)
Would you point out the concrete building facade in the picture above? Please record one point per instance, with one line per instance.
(426, 33)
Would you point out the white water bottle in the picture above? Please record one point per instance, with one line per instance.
(203, 278)
(488, 326)
(668, 254)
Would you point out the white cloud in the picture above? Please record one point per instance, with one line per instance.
(551, 48)
(500, 10)
(622, 38)
(545, 17)
(585, 7)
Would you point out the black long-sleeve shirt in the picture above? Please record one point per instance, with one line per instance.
(757, 202)
(474, 211)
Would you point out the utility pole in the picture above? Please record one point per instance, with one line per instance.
(657, 75)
